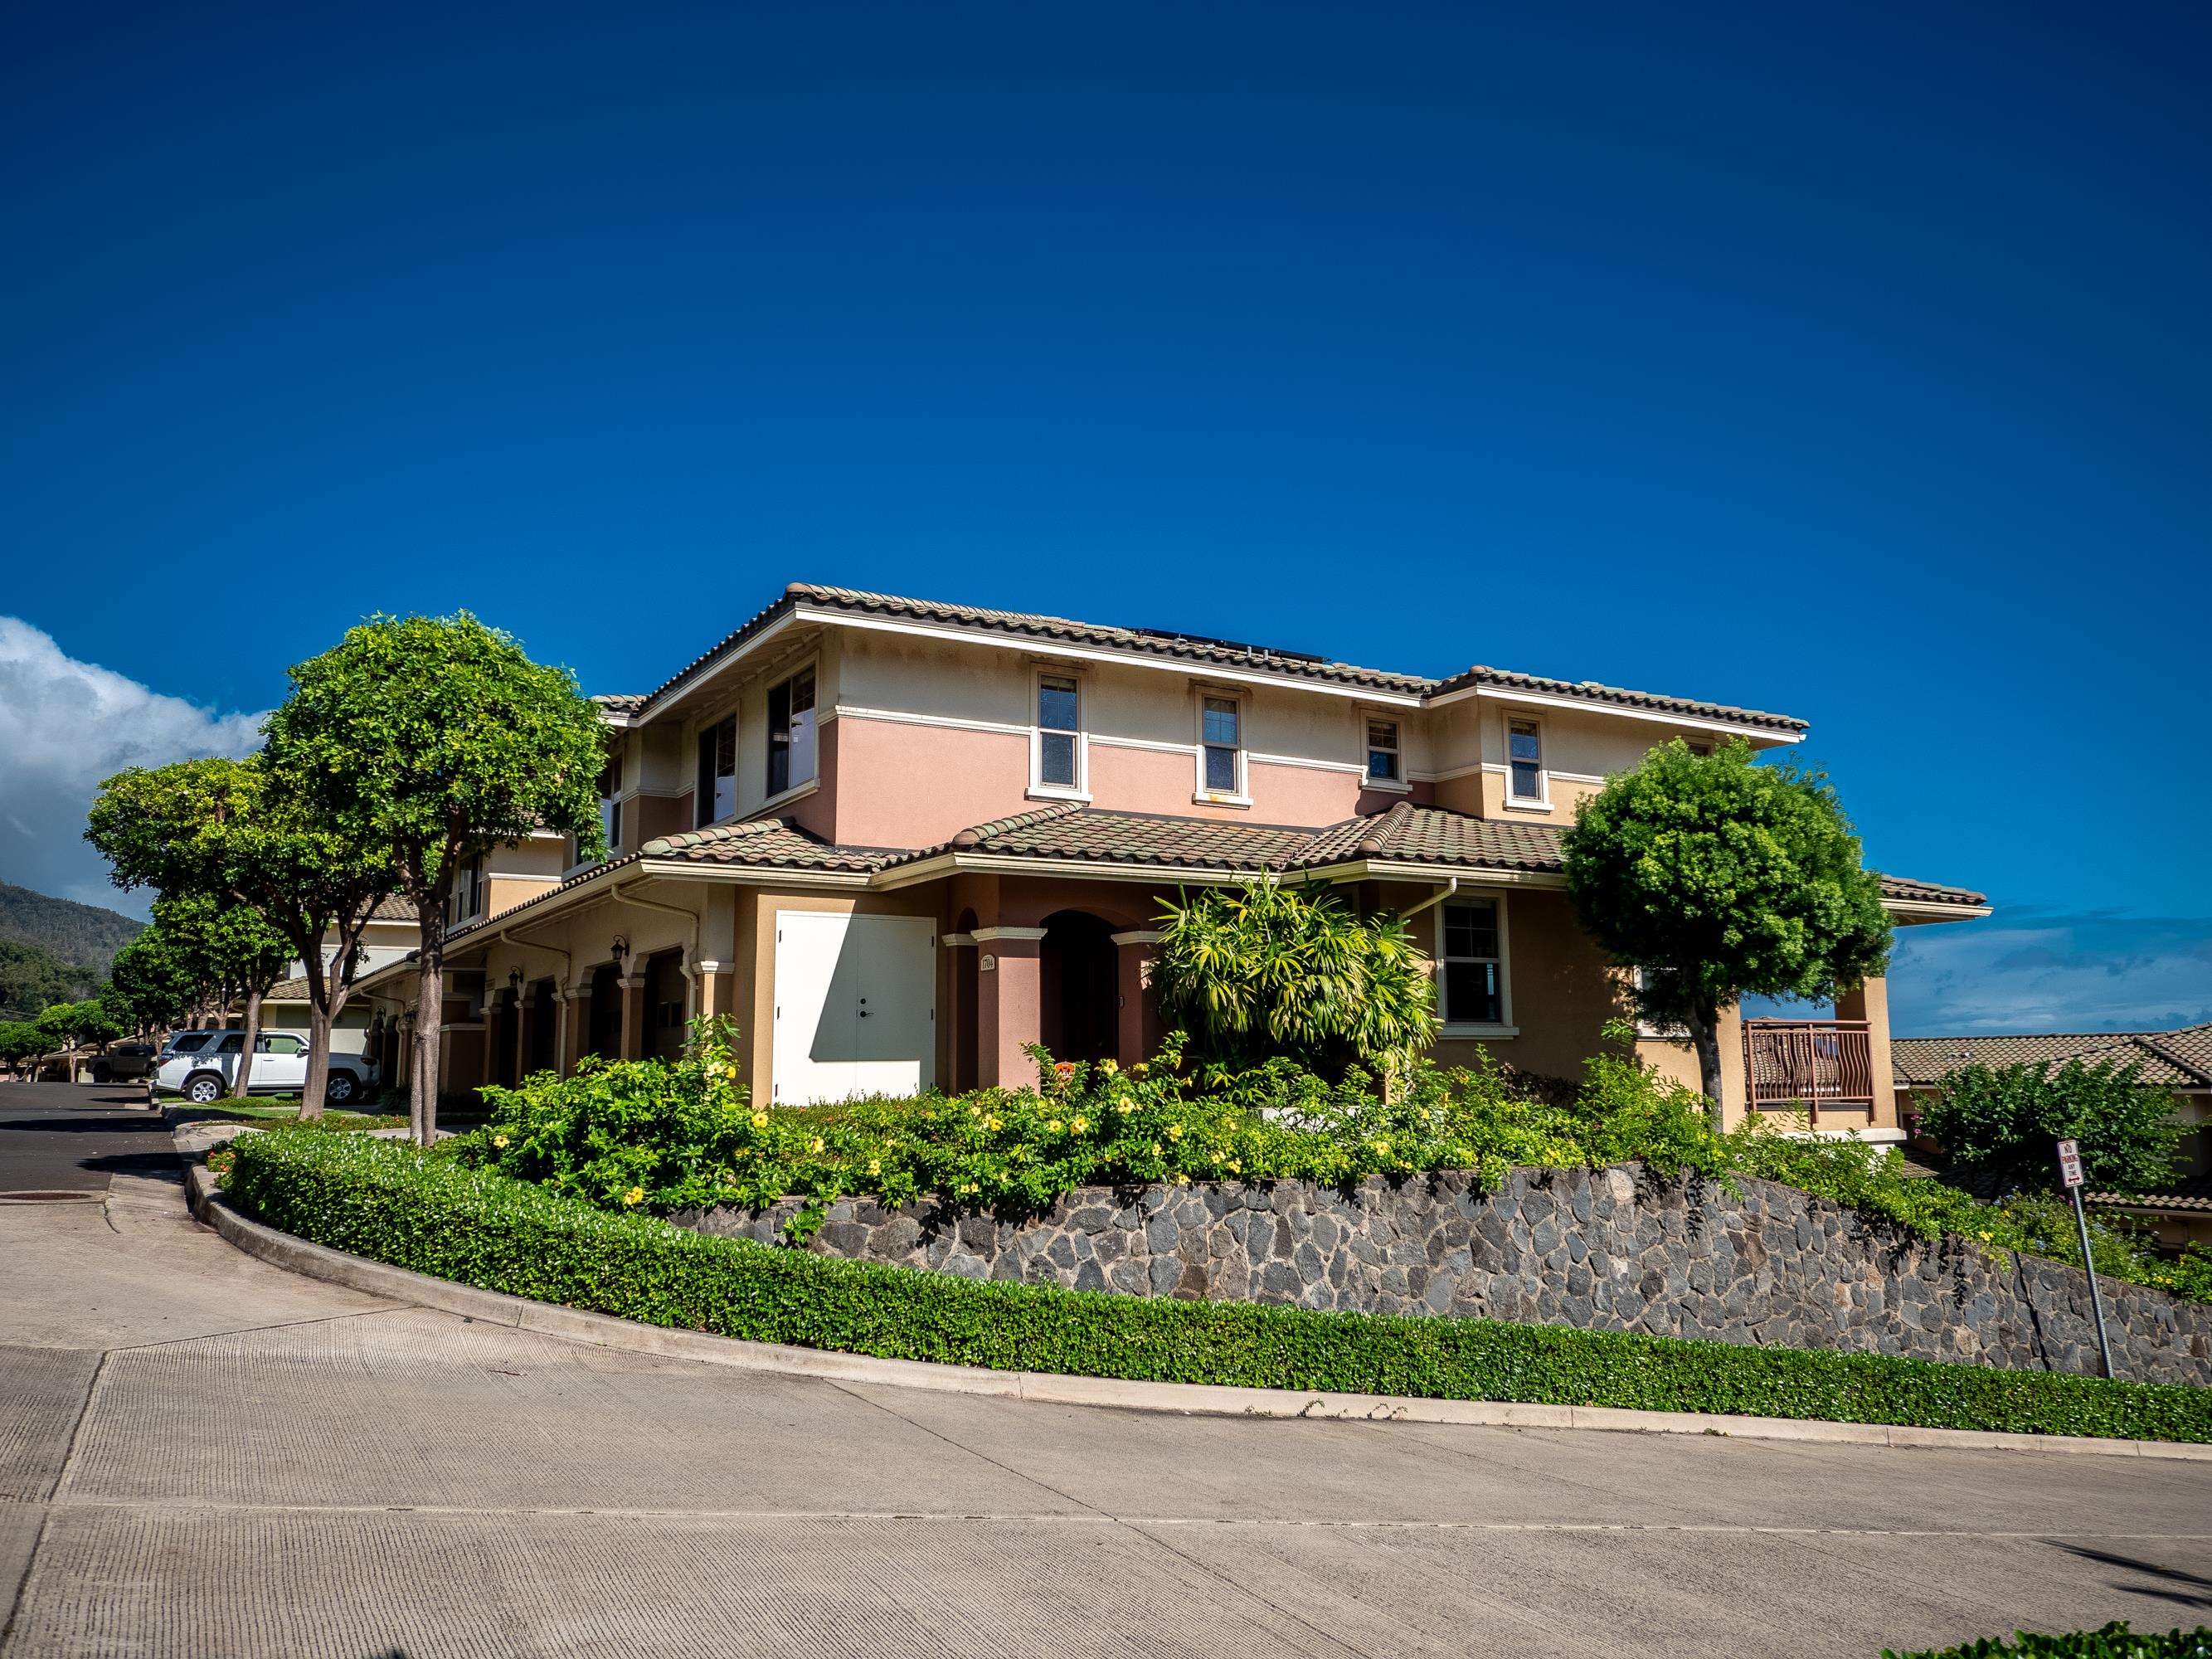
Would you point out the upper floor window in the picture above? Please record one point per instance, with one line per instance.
(791, 733)
(610, 804)
(1221, 724)
(1472, 964)
(1059, 732)
(468, 895)
(717, 796)
(1699, 747)
(1383, 763)
(1524, 761)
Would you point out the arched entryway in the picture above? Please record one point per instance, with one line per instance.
(508, 1068)
(602, 1032)
(1078, 987)
(545, 1027)
(667, 998)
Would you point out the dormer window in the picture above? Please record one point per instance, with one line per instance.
(1384, 765)
(1524, 763)
(1057, 754)
(717, 797)
(791, 733)
(1221, 741)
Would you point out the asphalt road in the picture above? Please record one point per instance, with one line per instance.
(203, 1455)
(61, 1137)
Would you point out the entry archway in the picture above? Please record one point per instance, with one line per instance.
(1079, 986)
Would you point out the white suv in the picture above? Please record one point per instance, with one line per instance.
(200, 1065)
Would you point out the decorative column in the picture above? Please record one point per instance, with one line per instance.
(575, 1020)
(632, 1046)
(1009, 1005)
(1870, 1002)
(1138, 1035)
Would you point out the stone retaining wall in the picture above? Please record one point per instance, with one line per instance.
(1615, 1250)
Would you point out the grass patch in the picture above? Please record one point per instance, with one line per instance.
(436, 1215)
(269, 1109)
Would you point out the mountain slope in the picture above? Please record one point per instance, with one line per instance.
(82, 935)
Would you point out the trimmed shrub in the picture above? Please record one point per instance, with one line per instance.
(389, 1202)
(2010, 1119)
(2114, 1641)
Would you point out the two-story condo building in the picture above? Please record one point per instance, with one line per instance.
(898, 841)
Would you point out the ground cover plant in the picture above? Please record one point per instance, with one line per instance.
(658, 1136)
(437, 1215)
(2112, 1641)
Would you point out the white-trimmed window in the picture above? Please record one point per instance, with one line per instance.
(1385, 762)
(610, 812)
(1471, 964)
(717, 796)
(1058, 760)
(1524, 762)
(1221, 745)
(791, 733)
(1641, 978)
(468, 895)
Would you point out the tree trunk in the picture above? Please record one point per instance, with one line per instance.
(1705, 1038)
(430, 1012)
(238, 1084)
(318, 1057)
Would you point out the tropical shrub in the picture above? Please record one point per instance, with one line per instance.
(2008, 1119)
(2112, 1641)
(388, 1200)
(1268, 970)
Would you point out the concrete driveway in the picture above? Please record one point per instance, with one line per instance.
(203, 1455)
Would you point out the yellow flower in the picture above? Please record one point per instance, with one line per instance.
(1383, 1147)
(1109, 1067)
(875, 1166)
(499, 1140)
(1125, 1106)
(1984, 1237)
(1183, 1180)
(815, 1145)
(760, 1119)
(1175, 1132)
(1138, 1069)
(1236, 1166)
(992, 1121)
(1078, 1124)
(969, 1187)
(634, 1195)
(975, 1111)
(1053, 1124)
(1155, 1149)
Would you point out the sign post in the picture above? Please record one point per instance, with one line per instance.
(2069, 1171)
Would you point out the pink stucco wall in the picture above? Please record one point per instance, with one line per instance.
(896, 785)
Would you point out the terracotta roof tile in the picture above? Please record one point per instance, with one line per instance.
(1928, 1060)
(775, 843)
(620, 703)
(1929, 892)
(2193, 1194)
(1095, 835)
(1407, 834)
(1199, 650)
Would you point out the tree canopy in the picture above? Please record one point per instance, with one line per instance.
(1722, 878)
(2010, 1119)
(437, 739)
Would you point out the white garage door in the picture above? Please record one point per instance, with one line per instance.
(856, 1006)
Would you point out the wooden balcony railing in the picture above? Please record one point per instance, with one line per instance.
(1808, 1064)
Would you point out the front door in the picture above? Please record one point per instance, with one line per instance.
(856, 1006)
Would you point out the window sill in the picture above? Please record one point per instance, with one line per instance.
(1528, 805)
(1388, 786)
(1485, 1031)
(1054, 791)
(797, 791)
(1208, 798)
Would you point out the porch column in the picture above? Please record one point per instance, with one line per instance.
(632, 1046)
(575, 1019)
(1138, 1035)
(1009, 1005)
(1870, 1002)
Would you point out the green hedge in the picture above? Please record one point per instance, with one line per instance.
(387, 1200)
(2114, 1641)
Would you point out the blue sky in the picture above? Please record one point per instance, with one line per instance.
(1850, 365)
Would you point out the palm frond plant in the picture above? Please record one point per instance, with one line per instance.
(1269, 969)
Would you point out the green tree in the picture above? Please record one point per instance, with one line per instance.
(20, 1040)
(1269, 969)
(156, 982)
(2010, 1119)
(223, 829)
(1722, 878)
(438, 740)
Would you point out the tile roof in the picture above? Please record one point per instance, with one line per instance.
(1926, 1060)
(1096, 834)
(2193, 1194)
(774, 844)
(397, 908)
(2189, 1047)
(621, 703)
(1929, 892)
(1200, 650)
(1407, 834)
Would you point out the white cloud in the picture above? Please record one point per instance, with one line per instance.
(65, 726)
(2042, 970)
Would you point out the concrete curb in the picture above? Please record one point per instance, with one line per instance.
(1184, 1398)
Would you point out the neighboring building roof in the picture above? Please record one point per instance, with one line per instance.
(2191, 1196)
(1924, 1062)
(1199, 650)
(2189, 1047)
(287, 990)
(620, 703)
(1907, 890)
(397, 907)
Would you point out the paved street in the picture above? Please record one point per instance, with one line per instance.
(64, 1138)
(202, 1455)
